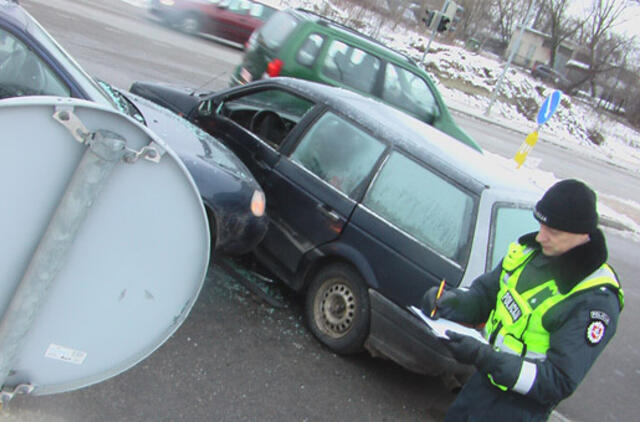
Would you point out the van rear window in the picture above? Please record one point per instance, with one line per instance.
(277, 29)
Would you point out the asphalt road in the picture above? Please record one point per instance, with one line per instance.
(238, 358)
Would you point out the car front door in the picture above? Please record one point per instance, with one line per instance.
(312, 192)
(254, 124)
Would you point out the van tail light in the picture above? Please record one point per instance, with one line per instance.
(274, 67)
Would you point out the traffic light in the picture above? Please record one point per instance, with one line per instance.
(444, 23)
(427, 18)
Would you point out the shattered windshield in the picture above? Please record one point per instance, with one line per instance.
(121, 102)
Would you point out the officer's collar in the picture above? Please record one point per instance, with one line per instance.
(576, 264)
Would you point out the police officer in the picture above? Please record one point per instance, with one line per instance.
(549, 310)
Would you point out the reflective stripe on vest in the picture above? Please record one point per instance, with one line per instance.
(515, 324)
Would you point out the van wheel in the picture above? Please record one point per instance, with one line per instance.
(189, 23)
(337, 308)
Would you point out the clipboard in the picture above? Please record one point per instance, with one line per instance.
(441, 325)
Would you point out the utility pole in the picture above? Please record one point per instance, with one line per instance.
(514, 50)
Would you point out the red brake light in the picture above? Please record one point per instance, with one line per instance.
(274, 67)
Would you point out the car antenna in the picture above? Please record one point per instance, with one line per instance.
(208, 82)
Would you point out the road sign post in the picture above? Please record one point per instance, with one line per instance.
(549, 106)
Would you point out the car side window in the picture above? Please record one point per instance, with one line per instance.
(240, 7)
(338, 152)
(261, 11)
(269, 114)
(22, 72)
(409, 92)
(508, 223)
(424, 205)
(351, 66)
(310, 49)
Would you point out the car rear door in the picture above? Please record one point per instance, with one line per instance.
(415, 226)
(312, 192)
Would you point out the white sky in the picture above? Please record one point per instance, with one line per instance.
(629, 22)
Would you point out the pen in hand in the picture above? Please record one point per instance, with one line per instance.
(435, 306)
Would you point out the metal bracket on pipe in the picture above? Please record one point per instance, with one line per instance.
(7, 393)
(67, 118)
(151, 153)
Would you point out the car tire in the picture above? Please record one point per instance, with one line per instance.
(189, 23)
(211, 218)
(337, 308)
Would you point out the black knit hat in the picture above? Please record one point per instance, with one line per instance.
(570, 206)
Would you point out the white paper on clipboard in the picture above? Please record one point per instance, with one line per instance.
(439, 326)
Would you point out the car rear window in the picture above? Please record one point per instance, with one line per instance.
(509, 222)
(261, 11)
(276, 29)
(424, 205)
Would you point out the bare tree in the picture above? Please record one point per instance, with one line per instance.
(476, 17)
(507, 14)
(604, 48)
(559, 25)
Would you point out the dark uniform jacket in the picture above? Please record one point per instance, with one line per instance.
(571, 352)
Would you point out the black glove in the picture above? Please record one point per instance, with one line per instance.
(465, 349)
(445, 305)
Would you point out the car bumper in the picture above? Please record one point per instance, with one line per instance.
(398, 335)
(240, 237)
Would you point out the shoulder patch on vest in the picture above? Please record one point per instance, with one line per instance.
(600, 315)
(595, 332)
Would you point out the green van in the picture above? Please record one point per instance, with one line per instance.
(303, 44)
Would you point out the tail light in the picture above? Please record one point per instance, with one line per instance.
(274, 67)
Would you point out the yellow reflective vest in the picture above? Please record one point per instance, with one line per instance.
(515, 324)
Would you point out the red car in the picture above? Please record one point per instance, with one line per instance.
(231, 20)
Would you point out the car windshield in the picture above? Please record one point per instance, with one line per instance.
(86, 82)
(510, 221)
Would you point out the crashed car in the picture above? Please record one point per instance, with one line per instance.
(32, 63)
(368, 207)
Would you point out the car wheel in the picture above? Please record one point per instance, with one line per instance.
(189, 24)
(212, 231)
(337, 308)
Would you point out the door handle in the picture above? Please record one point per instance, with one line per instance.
(262, 165)
(331, 214)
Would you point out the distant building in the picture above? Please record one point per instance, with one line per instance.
(535, 48)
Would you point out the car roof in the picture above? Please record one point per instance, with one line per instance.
(411, 135)
(12, 12)
(274, 4)
(350, 33)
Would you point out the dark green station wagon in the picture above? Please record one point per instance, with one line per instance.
(302, 44)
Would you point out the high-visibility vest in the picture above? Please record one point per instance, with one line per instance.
(515, 324)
